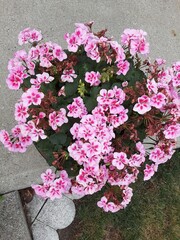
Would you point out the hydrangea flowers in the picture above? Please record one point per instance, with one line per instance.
(89, 108)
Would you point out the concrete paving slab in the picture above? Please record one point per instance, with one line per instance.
(19, 171)
(159, 18)
(13, 223)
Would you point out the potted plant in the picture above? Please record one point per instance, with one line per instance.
(88, 110)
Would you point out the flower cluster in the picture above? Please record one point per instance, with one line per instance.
(93, 106)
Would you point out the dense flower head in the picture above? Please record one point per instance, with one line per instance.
(89, 109)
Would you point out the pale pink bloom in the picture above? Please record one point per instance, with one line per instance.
(93, 78)
(48, 176)
(160, 61)
(149, 171)
(158, 100)
(57, 118)
(103, 203)
(25, 140)
(59, 53)
(29, 35)
(72, 41)
(13, 81)
(119, 51)
(33, 53)
(156, 154)
(86, 131)
(31, 67)
(18, 147)
(4, 136)
(92, 148)
(120, 159)
(36, 134)
(136, 160)
(44, 62)
(135, 40)
(123, 67)
(16, 131)
(41, 78)
(176, 66)
(21, 112)
(140, 147)
(152, 86)
(176, 80)
(68, 75)
(143, 105)
(105, 96)
(77, 109)
(172, 131)
(40, 190)
(53, 193)
(127, 195)
(32, 96)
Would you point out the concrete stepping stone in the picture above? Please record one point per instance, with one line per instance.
(43, 232)
(57, 214)
(13, 223)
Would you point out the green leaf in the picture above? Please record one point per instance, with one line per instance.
(58, 138)
(90, 103)
(71, 88)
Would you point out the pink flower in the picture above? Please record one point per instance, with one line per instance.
(135, 40)
(59, 53)
(29, 35)
(72, 41)
(53, 193)
(143, 105)
(172, 131)
(120, 159)
(57, 119)
(13, 81)
(68, 75)
(152, 86)
(48, 176)
(123, 67)
(158, 100)
(93, 78)
(148, 171)
(41, 78)
(21, 112)
(92, 148)
(40, 190)
(32, 96)
(77, 109)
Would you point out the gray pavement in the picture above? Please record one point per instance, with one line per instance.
(13, 224)
(160, 19)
